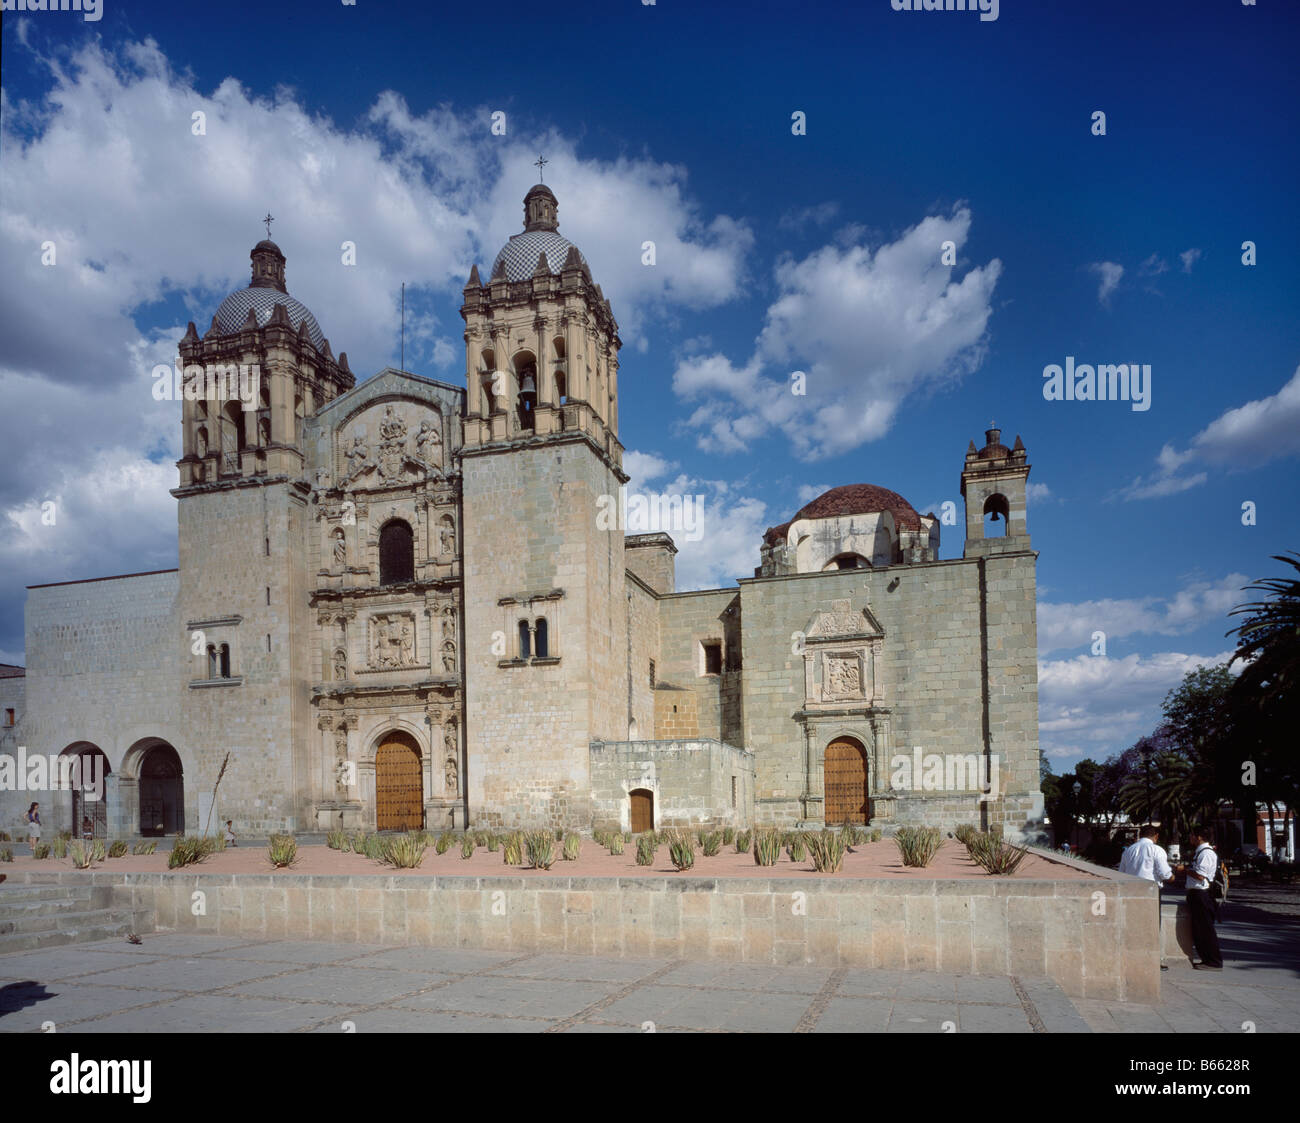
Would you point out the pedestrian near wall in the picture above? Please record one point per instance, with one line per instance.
(1201, 902)
(34, 825)
(1147, 859)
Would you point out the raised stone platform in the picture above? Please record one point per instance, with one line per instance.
(1096, 938)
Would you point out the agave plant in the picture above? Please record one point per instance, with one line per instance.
(405, 851)
(743, 839)
(827, 850)
(7, 854)
(767, 846)
(572, 847)
(335, 840)
(282, 849)
(681, 849)
(97, 850)
(81, 854)
(918, 845)
(374, 848)
(60, 846)
(444, 842)
(41, 850)
(645, 849)
(492, 841)
(615, 840)
(710, 843)
(513, 850)
(728, 836)
(468, 844)
(796, 847)
(188, 850)
(143, 847)
(540, 846)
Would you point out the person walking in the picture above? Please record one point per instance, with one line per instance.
(33, 825)
(1201, 902)
(1147, 859)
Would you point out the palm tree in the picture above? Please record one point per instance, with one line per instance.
(1268, 640)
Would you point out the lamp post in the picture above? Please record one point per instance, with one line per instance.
(1078, 787)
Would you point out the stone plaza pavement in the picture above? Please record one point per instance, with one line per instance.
(196, 982)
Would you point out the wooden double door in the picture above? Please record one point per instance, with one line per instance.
(399, 788)
(845, 778)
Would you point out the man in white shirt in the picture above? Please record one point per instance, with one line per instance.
(1148, 860)
(1201, 902)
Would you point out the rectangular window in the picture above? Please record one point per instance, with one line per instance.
(9, 717)
(713, 658)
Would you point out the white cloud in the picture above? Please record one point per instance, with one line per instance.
(645, 466)
(808, 492)
(1247, 436)
(1154, 266)
(1038, 493)
(817, 215)
(1109, 273)
(1095, 706)
(1189, 258)
(867, 328)
(1196, 603)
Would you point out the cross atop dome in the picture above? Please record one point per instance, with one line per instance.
(270, 218)
(539, 164)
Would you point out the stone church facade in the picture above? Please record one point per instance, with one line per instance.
(397, 606)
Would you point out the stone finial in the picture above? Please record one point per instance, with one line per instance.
(343, 362)
(303, 333)
(325, 349)
(191, 333)
(543, 266)
(213, 330)
(1019, 446)
(473, 282)
(972, 450)
(250, 321)
(572, 260)
(280, 315)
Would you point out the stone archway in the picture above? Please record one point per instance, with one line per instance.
(88, 785)
(845, 780)
(161, 791)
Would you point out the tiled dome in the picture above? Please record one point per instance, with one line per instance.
(519, 255)
(852, 499)
(234, 311)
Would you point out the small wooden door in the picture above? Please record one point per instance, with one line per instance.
(846, 782)
(643, 810)
(398, 788)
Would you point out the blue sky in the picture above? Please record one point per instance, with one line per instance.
(774, 252)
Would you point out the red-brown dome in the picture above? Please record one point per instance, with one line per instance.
(852, 499)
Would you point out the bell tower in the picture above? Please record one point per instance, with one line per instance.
(993, 483)
(545, 616)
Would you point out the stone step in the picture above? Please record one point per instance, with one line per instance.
(19, 894)
(103, 929)
(64, 921)
(11, 910)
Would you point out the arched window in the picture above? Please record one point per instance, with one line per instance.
(225, 660)
(396, 553)
(542, 643)
(525, 645)
(996, 513)
(561, 388)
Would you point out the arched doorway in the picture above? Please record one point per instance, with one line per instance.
(89, 791)
(642, 810)
(399, 793)
(162, 792)
(845, 777)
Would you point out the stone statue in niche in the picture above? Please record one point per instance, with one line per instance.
(451, 775)
(341, 769)
(340, 665)
(446, 536)
(201, 443)
(406, 644)
(264, 431)
(340, 547)
(429, 443)
(449, 656)
(448, 622)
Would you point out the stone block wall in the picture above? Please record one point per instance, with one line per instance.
(695, 783)
(1097, 938)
